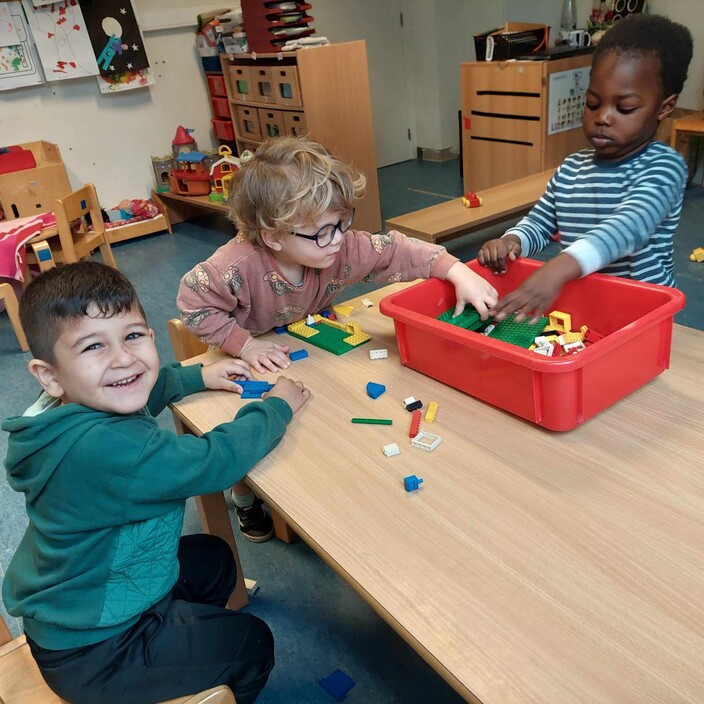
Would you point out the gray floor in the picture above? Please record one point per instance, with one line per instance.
(320, 624)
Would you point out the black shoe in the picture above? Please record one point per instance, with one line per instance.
(255, 525)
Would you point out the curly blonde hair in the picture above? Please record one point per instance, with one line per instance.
(288, 184)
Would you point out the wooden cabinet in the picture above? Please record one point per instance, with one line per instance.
(509, 125)
(322, 92)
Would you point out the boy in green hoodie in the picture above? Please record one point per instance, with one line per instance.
(117, 607)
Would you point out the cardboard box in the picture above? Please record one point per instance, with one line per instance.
(511, 40)
(32, 191)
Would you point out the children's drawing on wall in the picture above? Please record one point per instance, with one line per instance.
(117, 43)
(566, 99)
(19, 65)
(62, 41)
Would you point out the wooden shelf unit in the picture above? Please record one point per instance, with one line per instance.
(505, 108)
(322, 92)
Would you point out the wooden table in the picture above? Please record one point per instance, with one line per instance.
(179, 208)
(531, 567)
(684, 128)
(445, 221)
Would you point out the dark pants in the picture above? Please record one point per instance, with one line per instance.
(184, 644)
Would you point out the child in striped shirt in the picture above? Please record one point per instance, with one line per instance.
(618, 204)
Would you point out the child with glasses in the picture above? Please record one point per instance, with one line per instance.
(296, 250)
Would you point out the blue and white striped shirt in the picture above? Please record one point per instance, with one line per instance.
(616, 218)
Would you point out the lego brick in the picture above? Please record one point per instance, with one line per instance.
(375, 390)
(367, 303)
(391, 450)
(337, 684)
(382, 353)
(295, 355)
(432, 410)
(411, 483)
(329, 335)
(521, 334)
(373, 421)
(426, 441)
(414, 428)
(469, 318)
(562, 322)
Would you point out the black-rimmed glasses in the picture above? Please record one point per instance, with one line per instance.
(326, 234)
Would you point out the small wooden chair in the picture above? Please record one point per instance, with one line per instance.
(7, 294)
(22, 683)
(77, 237)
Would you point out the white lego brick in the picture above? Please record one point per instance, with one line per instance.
(488, 329)
(546, 350)
(379, 354)
(407, 401)
(426, 441)
(367, 303)
(391, 450)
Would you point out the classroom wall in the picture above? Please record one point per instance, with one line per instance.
(108, 139)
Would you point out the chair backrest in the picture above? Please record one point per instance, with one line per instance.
(79, 222)
(184, 343)
(22, 683)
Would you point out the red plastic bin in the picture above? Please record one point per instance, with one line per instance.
(557, 393)
(223, 129)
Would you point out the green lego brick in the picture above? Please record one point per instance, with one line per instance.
(521, 334)
(329, 338)
(469, 318)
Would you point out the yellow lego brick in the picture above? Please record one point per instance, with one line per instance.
(568, 337)
(300, 328)
(584, 330)
(343, 310)
(560, 321)
(697, 255)
(432, 410)
(357, 339)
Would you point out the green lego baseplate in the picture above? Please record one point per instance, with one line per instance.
(520, 334)
(328, 338)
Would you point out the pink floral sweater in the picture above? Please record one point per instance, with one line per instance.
(240, 290)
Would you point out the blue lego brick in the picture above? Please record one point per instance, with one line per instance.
(337, 684)
(251, 394)
(412, 482)
(297, 354)
(281, 330)
(325, 313)
(375, 390)
(254, 385)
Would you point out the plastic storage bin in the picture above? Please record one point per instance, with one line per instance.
(556, 393)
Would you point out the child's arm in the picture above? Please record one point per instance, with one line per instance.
(265, 355)
(530, 236)
(471, 288)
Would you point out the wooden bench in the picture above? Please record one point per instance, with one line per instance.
(448, 220)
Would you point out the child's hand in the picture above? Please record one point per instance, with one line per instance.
(293, 392)
(471, 288)
(265, 356)
(534, 297)
(220, 375)
(495, 253)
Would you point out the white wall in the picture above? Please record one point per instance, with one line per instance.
(108, 139)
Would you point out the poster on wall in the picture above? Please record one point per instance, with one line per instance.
(566, 99)
(19, 65)
(61, 39)
(117, 44)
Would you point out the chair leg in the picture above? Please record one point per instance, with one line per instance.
(108, 258)
(7, 294)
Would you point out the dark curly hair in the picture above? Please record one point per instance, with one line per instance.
(651, 35)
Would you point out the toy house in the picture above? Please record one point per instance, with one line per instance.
(162, 165)
(226, 165)
(190, 177)
(182, 142)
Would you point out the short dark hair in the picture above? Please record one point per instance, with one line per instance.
(66, 293)
(652, 35)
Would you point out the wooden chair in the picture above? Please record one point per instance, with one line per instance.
(77, 238)
(7, 294)
(186, 345)
(22, 683)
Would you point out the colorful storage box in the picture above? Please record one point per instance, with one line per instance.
(557, 393)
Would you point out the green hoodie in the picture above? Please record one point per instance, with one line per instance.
(105, 496)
